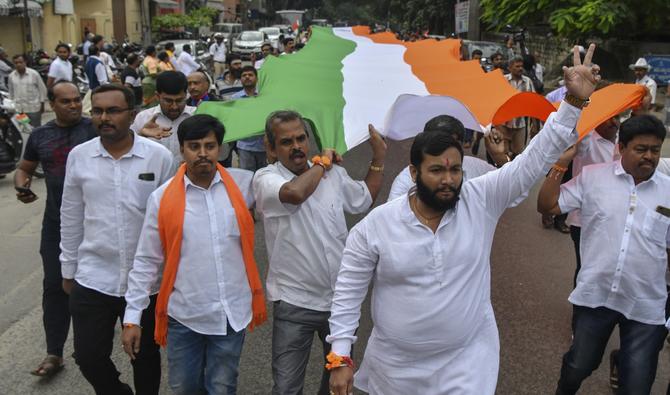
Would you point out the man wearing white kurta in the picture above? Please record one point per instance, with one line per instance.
(428, 252)
(302, 204)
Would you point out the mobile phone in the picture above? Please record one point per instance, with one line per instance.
(25, 191)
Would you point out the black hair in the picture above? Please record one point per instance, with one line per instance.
(281, 116)
(62, 45)
(497, 54)
(477, 52)
(127, 93)
(186, 48)
(96, 39)
(287, 39)
(230, 58)
(151, 49)
(50, 92)
(18, 55)
(163, 56)
(266, 45)
(431, 142)
(169, 46)
(446, 124)
(93, 50)
(516, 59)
(171, 82)
(641, 125)
(249, 68)
(132, 58)
(198, 126)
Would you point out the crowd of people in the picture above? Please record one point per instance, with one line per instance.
(147, 222)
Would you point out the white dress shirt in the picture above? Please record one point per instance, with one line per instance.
(664, 166)
(171, 142)
(60, 70)
(472, 167)
(592, 149)
(104, 200)
(431, 297)
(623, 241)
(218, 52)
(186, 64)
(211, 288)
(650, 84)
(27, 90)
(259, 63)
(305, 241)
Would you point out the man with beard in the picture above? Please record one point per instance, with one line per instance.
(107, 183)
(625, 217)
(230, 83)
(161, 121)
(303, 204)
(428, 253)
(250, 150)
(50, 145)
(61, 68)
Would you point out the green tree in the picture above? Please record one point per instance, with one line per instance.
(204, 16)
(579, 18)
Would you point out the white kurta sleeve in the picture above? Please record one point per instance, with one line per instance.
(146, 266)
(570, 197)
(356, 196)
(266, 185)
(359, 261)
(501, 188)
(401, 185)
(72, 219)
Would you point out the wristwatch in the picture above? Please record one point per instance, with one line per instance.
(575, 101)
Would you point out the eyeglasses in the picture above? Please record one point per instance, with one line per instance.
(113, 111)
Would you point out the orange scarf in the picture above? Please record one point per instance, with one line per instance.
(170, 228)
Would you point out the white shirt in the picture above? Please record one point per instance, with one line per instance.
(623, 241)
(305, 241)
(186, 64)
(27, 90)
(259, 63)
(171, 142)
(60, 69)
(592, 149)
(650, 84)
(211, 288)
(218, 52)
(101, 71)
(472, 167)
(431, 291)
(107, 60)
(104, 201)
(664, 166)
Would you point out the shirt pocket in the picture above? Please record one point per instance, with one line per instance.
(140, 192)
(231, 227)
(655, 227)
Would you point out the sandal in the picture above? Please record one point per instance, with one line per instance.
(51, 365)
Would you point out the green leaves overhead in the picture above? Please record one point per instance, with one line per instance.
(199, 17)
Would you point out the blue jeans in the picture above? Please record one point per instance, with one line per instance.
(638, 358)
(202, 364)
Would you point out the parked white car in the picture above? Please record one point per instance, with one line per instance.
(249, 42)
(273, 35)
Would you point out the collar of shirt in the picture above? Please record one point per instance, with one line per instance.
(138, 149)
(189, 184)
(410, 218)
(620, 171)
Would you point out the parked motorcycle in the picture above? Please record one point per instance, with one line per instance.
(14, 133)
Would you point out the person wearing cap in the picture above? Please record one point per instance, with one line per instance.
(218, 51)
(641, 68)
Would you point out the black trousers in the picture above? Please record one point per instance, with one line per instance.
(55, 310)
(94, 316)
(575, 234)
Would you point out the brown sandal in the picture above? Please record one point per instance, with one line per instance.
(51, 365)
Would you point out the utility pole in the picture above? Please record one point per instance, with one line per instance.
(145, 22)
(26, 23)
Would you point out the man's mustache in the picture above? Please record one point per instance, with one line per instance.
(296, 154)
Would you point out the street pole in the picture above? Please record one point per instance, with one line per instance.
(26, 22)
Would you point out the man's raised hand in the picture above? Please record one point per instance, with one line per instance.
(579, 79)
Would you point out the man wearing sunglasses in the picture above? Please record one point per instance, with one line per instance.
(107, 183)
(161, 121)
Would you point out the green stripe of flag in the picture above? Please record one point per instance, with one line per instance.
(309, 82)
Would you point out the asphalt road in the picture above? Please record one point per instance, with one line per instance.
(532, 272)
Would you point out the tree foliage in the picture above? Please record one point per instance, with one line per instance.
(204, 16)
(579, 18)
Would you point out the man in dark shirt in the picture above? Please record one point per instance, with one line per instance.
(131, 78)
(49, 145)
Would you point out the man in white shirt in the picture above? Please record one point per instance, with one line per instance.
(625, 218)
(428, 253)
(266, 50)
(209, 303)
(107, 183)
(641, 68)
(95, 69)
(472, 167)
(302, 204)
(185, 62)
(218, 52)
(161, 122)
(60, 68)
(27, 90)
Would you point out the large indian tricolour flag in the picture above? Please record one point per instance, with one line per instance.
(346, 78)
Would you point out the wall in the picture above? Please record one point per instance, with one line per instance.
(55, 28)
(100, 10)
(133, 20)
(11, 33)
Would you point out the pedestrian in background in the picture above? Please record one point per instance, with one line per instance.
(27, 90)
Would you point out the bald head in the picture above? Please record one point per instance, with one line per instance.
(198, 84)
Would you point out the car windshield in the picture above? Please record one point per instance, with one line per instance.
(251, 36)
(270, 31)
